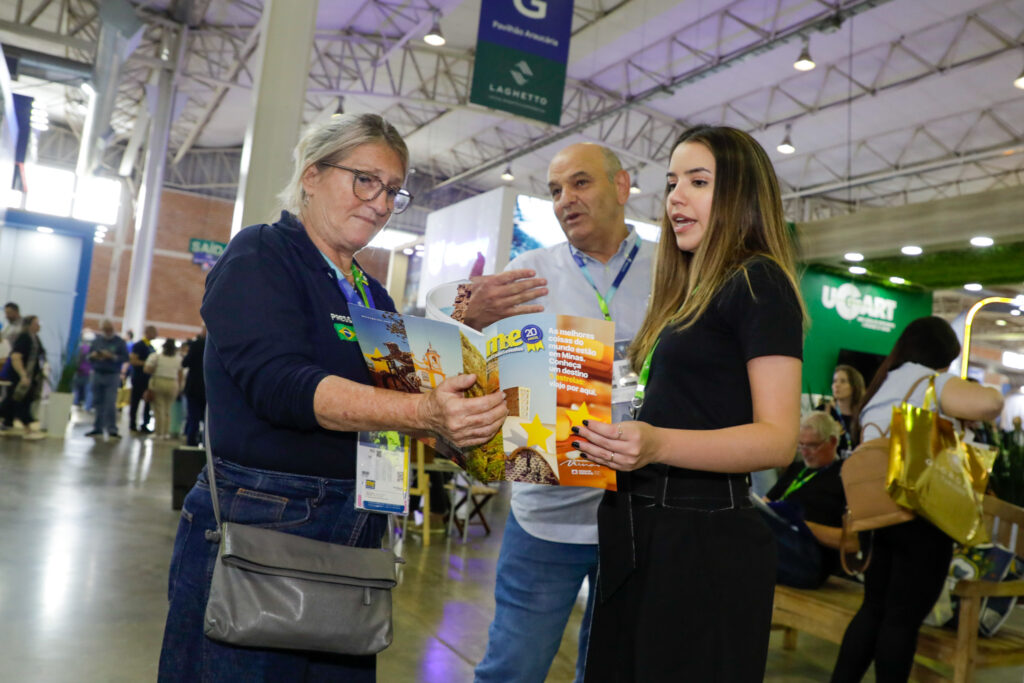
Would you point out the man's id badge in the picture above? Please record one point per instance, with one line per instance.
(623, 382)
(382, 472)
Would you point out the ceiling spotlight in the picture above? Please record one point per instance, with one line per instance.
(1001, 323)
(506, 175)
(972, 287)
(912, 250)
(858, 270)
(98, 239)
(897, 280)
(853, 256)
(804, 61)
(408, 251)
(786, 146)
(45, 230)
(434, 36)
(634, 188)
(981, 241)
(1015, 311)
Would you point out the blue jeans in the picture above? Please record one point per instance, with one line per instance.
(104, 399)
(307, 506)
(536, 588)
(802, 563)
(82, 394)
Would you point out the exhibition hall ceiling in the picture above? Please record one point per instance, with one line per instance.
(910, 101)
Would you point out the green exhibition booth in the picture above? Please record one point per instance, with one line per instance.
(849, 317)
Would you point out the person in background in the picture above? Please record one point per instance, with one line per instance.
(107, 354)
(809, 495)
(847, 394)
(550, 542)
(140, 351)
(909, 561)
(165, 374)
(80, 389)
(195, 388)
(13, 323)
(288, 391)
(9, 331)
(687, 566)
(27, 359)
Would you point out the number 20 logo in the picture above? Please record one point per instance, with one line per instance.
(539, 8)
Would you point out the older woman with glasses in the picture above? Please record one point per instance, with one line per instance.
(288, 390)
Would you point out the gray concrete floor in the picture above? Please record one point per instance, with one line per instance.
(86, 528)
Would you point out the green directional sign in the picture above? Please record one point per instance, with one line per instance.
(205, 252)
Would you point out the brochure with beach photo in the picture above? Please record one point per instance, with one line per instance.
(555, 372)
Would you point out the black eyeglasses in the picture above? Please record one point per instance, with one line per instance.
(367, 187)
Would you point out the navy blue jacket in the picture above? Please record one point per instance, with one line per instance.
(116, 346)
(276, 326)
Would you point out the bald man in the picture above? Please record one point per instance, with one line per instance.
(550, 541)
(107, 354)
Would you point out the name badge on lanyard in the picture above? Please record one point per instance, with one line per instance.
(623, 377)
(382, 472)
(382, 457)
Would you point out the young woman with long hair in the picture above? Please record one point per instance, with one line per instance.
(687, 568)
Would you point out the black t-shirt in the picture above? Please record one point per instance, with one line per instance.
(24, 344)
(698, 377)
(142, 349)
(821, 496)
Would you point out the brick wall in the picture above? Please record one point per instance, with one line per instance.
(176, 284)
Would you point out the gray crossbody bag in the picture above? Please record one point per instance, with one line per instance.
(271, 589)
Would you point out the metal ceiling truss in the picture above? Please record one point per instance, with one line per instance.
(712, 43)
(418, 85)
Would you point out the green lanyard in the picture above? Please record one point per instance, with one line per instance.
(797, 483)
(641, 382)
(359, 278)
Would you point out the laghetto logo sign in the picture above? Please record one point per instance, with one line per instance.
(521, 50)
(872, 312)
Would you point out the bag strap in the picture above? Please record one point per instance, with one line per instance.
(915, 385)
(211, 535)
(844, 535)
(211, 475)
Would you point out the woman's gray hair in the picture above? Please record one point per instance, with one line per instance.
(332, 141)
(822, 424)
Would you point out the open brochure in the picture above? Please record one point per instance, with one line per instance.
(555, 371)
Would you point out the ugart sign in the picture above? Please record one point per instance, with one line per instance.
(872, 312)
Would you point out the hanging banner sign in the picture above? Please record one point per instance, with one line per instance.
(205, 252)
(521, 51)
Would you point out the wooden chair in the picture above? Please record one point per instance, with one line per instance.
(476, 495)
(425, 465)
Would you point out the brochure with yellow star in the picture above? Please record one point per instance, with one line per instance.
(555, 372)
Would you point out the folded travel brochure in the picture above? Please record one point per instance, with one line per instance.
(555, 372)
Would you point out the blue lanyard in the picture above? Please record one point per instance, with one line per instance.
(605, 301)
(364, 297)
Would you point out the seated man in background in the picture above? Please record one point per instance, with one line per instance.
(809, 502)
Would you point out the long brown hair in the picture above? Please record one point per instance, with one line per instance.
(746, 221)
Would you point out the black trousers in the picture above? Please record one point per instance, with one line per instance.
(133, 409)
(11, 409)
(698, 605)
(909, 563)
